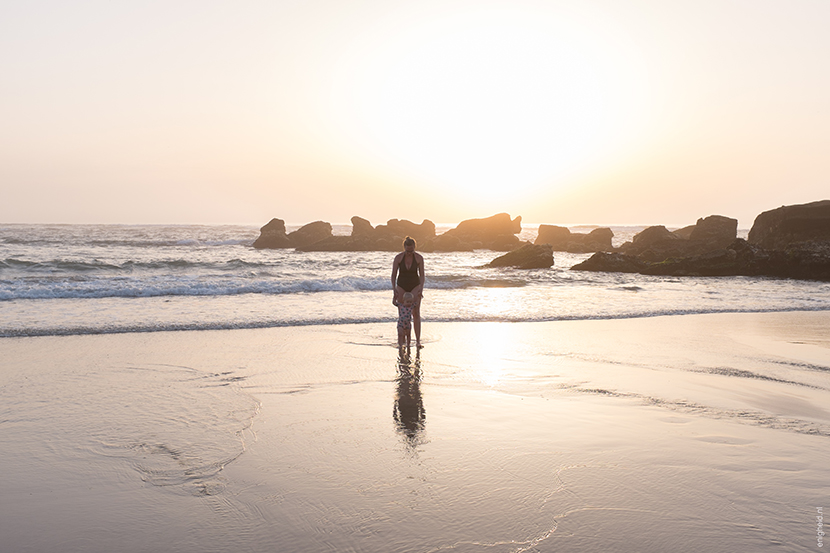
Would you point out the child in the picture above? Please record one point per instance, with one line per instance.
(405, 319)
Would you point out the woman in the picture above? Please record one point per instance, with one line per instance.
(408, 276)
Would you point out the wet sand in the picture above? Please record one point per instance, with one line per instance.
(685, 433)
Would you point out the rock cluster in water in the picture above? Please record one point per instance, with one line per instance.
(791, 242)
(788, 242)
(273, 236)
(562, 239)
(529, 256)
(493, 233)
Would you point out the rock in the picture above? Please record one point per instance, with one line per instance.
(445, 243)
(489, 226)
(744, 259)
(657, 243)
(309, 234)
(272, 236)
(557, 237)
(275, 226)
(563, 240)
(611, 263)
(502, 243)
(529, 256)
(716, 231)
(804, 226)
(317, 236)
(724, 262)
(395, 228)
(385, 244)
(599, 239)
(351, 244)
(684, 233)
(738, 259)
(806, 264)
(652, 235)
(337, 244)
(362, 227)
(495, 233)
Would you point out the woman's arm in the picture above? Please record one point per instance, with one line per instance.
(395, 264)
(422, 274)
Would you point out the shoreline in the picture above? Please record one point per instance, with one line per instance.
(220, 327)
(682, 433)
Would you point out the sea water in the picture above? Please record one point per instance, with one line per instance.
(582, 436)
(91, 279)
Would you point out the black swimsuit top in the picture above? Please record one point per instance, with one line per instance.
(408, 279)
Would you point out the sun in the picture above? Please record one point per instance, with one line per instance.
(492, 102)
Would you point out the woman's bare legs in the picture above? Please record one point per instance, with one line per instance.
(416, 321)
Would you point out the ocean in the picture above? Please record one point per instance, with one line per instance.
(310, 431)
(95, 279)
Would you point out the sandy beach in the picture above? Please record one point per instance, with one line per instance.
(683, 433)
(613, 216)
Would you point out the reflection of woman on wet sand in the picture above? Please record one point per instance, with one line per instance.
(408, 276)
(408, 412)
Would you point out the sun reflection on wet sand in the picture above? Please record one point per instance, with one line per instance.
(493, 343)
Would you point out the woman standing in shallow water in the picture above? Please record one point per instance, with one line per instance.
(408, 276)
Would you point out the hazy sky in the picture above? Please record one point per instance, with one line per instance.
(589, 111)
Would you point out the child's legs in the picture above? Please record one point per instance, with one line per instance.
(403, 325)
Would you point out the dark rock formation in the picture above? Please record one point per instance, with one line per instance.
(446, 243)
(529, 256)
(563, 240)
(738, 259)
(272, 236)
(804, 226)
(745, 259)
(317, 236)
(803, 264)
(495, 233)
(731, 261)
(362, 227)
(388, 237)
(657, 243)
(685, 233)
(351, 244)
(309, 234)
(600, 237)
(656, 236)
(715, 231)
(395, 228)
(611, 263)
(557, 237)
(495, 225)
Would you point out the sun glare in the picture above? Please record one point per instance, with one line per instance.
(493, 344)
(491, 103)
